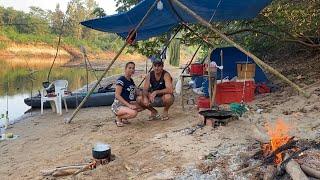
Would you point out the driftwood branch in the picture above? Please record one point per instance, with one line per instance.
(310, 171)
(66, 170)
(50, 172)
(294, 170)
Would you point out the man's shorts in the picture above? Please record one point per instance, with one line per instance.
(158, 102)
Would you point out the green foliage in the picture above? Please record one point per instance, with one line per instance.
(125, 5)
(285, 24)
(3, 45)
(282, 25)
(99, 12)
(15, 36)
(40, 26)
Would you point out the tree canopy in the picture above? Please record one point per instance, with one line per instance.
(44, 25)
(283, 24)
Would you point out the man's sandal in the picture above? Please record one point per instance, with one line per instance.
(154, 117)
(119, 123)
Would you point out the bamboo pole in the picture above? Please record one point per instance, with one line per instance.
(258, 61)
(68, 120)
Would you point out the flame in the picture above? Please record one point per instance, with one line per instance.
(279, 135)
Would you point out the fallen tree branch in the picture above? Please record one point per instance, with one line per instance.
(310, 171)
(87, 167)
(294, 170)
(68, 170)
(294, 155)
(50, 172)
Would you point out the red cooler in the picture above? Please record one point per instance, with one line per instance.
(230, 92)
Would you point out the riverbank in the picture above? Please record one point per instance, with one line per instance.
(176, 148)
(66, 53)
(144, 149)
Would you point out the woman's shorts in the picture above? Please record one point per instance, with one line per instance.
(116, 106)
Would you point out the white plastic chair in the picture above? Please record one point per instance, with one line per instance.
(60, 86)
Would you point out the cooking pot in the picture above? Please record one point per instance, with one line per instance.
(220, 115)
(101, 151)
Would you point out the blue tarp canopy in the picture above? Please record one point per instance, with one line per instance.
(231, 56)
(161, 21)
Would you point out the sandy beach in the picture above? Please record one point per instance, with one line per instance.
(173, 149)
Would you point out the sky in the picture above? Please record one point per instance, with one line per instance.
(23, 5)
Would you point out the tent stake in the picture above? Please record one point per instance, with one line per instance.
(256, 59)
(68, 120)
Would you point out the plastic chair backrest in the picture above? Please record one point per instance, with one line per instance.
(60, 85)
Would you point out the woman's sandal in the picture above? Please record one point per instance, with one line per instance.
(154, 117)
(125, 121)
(118, 123)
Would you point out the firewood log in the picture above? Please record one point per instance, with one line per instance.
(294, 170)
(310, 171)
(60, 173)
(50, 172)
(270, 173)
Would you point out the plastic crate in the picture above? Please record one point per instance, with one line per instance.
(230, 92)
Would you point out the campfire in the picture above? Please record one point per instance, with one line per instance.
(279, 136)
(281, 152)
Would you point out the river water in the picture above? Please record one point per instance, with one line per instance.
(21, 78)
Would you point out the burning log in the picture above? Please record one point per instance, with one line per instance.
(294, 170)
(270, 158)
(310, 171)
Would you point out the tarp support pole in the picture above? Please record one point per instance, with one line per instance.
(258, 61)
(68, 120)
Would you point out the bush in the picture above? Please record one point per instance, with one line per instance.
(3, 45)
